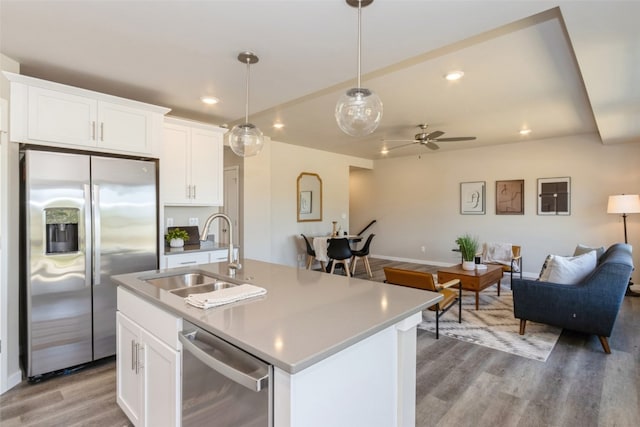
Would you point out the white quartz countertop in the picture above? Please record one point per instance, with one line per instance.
(306, 316)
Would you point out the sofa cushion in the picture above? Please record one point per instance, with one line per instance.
(583, 249)
(568, 270)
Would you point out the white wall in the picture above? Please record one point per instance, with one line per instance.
(416, 200)
(272, 232)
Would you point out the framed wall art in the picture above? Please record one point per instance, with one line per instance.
(510, 197)
(472, 196)
(554, 196)
(305, 202)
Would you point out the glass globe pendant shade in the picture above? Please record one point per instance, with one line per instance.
(358, 112)
(245, 140)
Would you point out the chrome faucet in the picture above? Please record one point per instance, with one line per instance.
(233, 264)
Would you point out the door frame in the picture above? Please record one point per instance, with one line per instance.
(223, 237)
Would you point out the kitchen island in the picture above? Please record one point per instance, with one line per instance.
(343, 350)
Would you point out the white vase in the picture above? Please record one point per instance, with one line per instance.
(468, 265)
(176, 243)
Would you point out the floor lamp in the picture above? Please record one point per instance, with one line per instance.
(625, 204)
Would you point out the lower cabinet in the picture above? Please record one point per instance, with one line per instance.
(185, 260)
(195, 258)
(148, 366)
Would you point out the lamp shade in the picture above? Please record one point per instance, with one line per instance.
(624, 204)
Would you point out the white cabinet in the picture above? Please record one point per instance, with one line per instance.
(147, 362)
(184, 260)
(58, 117)
(195, 258)
(47, 113)
(221, 255)
(191, 164)
(129, 390)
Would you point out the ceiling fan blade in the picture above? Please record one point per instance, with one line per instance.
(432, 145)
(399, 140)
(400, 146)
(459, 138)
(435, 134)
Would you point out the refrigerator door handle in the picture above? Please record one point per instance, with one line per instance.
(96, 235)
(87, 234)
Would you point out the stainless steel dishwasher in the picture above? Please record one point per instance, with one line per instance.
(223, 385)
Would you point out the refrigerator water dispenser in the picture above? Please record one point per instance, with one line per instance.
(62, 230)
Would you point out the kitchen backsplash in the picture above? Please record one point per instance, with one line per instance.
(181, 215)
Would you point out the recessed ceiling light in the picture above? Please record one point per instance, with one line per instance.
(278, 125)
(209, 100)
(454, 75)
(525, 131)
(384, 151)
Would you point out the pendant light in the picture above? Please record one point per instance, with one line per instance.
(358, 111)
(245, 140)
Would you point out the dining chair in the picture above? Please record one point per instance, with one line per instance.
(363, 254)
(339, 252)
(311, 254)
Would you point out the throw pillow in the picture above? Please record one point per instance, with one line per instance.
(583, 249)
(569, 270)
(545, 264)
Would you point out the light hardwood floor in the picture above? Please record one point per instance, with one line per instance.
(458, 383)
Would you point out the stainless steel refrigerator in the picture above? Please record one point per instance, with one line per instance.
(84, 219)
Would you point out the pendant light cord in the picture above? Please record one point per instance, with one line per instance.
(359, 37)
(246, 105)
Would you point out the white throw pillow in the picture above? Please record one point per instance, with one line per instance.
(569, 270)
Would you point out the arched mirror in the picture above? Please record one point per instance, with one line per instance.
(309, 197)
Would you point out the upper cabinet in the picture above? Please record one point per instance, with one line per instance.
(47, 113)
(191, 164)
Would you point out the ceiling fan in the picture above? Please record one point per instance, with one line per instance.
(428, 139)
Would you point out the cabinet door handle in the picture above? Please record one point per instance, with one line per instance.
(93, 130)
(133, 355)
(137, 357)
(102, 131)
(188, 191)
(194, 192)
(140, 357)
(187, 262)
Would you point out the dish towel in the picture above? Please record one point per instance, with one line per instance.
(224, 296)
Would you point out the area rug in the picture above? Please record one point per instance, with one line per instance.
(494, 326)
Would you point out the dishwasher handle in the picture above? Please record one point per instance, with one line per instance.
(256, 380)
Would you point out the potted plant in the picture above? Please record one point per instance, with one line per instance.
(469, 248)
(176, 237)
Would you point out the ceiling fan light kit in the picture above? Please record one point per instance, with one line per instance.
(359, 110)
(245, 140)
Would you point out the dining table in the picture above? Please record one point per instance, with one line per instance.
(320, 244)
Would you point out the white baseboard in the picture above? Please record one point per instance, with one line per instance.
(12, 381)
(411, 260)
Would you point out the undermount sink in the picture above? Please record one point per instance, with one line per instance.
(199, 289)
(183, 284)
(182, 280)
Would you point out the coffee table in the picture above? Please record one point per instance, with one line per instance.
(472, 280)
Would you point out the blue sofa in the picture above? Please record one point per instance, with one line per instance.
(590, 306)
